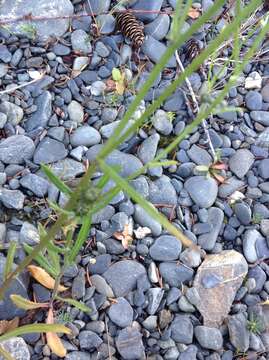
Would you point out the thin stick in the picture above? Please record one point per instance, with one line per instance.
(197, 108)
(12, 89)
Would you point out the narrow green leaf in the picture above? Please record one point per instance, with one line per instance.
(202, 168)
(153, 164)
(6, 355)
(75, 303)
(81, 238)
(56, 249)
(41, 260)
(35, 328)
(25, 304)
(60, 210)
(10, 258)
(116, 74)
(54, 260)
(123, 184)
(56, 180)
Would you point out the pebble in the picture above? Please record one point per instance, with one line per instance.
(144, 219)
(202, 190)
(238, 331)
(13, 112)
(80, 41)
(159, 27)
(161, 122)
(98, 6)
(209, 338)
(12, 199)
(241, 162)
(67, 169)
(263, 169)
(101, 286)
(165, 248)
(148, 148)
(253, 100)
(175, 274)
(182, 329)
(154, 49)
(16, 348)
(107, 23)
(128, 271)
(261, 117)
(199, 156)
(16, 149)
(155, 296)
(75, 112)
(36, 184)
(89, 340)
(49, 151)
(29, 234)
(253, 81)
(121, 313)
(129, 344)
(86, 136)
(249, 245)
(243, 213)
(42, 115)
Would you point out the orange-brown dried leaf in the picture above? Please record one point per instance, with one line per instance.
(125, 237)
(219, 166)
(8, 325)
(53, 340)
(44, 278)
(219, 178)
(194, 13)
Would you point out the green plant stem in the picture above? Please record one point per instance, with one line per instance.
(110, 144)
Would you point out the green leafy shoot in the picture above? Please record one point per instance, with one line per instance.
(75, 303)
(10, 258)
(42, 261)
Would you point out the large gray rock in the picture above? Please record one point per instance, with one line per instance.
(46, 8)
(17, 348)
(217, 281)
(122, 276)
(16, 149)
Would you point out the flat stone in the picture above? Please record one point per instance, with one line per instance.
(121, 313)
(43, 29)
(8, 310)
(13, 112)
(49, 151)
(16, 149)
(152, 8)
(67, 169)
(17, 348)
(81, 42)
(101, 285)
(29, 234)
(202, 190)
(144, 219)
(182, 329)
(241, 162)
(128, 272)
(128, 162)
(238, 331)
(209, 338)
(155, 296)
(159, 27)
(75, 112)
(229, 187)
(175, 274)
(129, 344)
(85, 135)
(243, 213)
(41, 116)
(215, 218)
(199, 156)
(12, 199)
(36, 184)
(260, 116)
(89, 340)
(250, 239)
(165, 248)
(217, 280)
(154, 49)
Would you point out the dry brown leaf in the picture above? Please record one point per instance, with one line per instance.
(266, 302)
(193, 13)
(8, 325)
(53, 340)
(125, 237)
(219, 178)
(44, 278)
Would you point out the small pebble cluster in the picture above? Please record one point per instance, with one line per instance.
(156, 299)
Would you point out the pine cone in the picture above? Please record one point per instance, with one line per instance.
(131, 28)
(192, 49)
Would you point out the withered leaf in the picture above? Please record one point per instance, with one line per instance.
(44, 278)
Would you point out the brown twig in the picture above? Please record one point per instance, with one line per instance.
(30, 17)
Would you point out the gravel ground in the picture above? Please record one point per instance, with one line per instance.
(154, 300)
